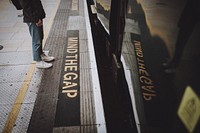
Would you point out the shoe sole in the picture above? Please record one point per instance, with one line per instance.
(44, 67)
(48, 60)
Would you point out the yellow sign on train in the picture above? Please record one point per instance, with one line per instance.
(189, 110)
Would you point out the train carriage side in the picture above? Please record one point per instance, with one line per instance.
(153, 30)
(142, 36)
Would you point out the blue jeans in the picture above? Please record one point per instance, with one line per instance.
(37, 37)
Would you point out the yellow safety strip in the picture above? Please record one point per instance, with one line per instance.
(18, 102)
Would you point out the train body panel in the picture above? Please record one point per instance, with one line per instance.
(143, 35)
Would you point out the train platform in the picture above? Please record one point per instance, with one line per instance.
(64, 98)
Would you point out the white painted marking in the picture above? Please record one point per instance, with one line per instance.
(131, 92)
(100, 117)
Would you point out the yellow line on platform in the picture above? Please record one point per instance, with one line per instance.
(18, 102)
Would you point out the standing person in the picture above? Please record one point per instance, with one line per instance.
(187, 22)
(34, 14)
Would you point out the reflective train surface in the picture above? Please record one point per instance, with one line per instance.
(141, 37)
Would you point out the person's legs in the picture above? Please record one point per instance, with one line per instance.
(36, 41)
(41, 33)
(38, 56)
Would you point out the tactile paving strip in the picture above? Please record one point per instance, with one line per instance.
(22, 122)
(83, 45)
(42, 118)
(76, 23)
(25, 113)
(84, 61)
(34, 85)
